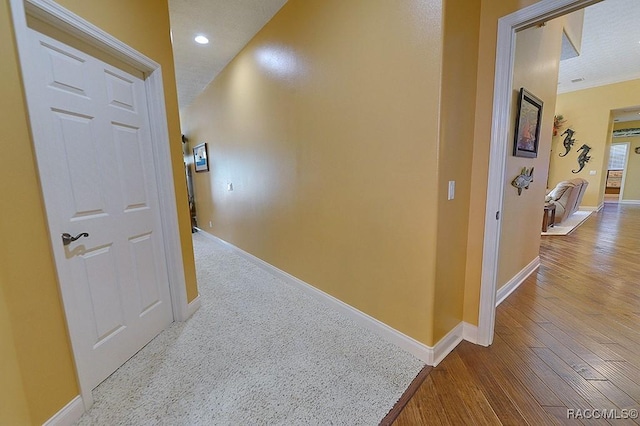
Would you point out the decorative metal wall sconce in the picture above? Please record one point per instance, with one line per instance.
(523, 180)
(568, 141)
(583, 158)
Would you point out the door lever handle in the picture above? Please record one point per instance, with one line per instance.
(68, 239)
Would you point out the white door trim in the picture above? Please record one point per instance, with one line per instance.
(624, 172)
(61, 18)
(501, 123)
(626, 167)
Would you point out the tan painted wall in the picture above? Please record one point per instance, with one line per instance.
(537, 59)
(13, 401)
(461, 27)
(332, 156)
(45, 379)
(631, 190)
(491, 11)
(30, 291)
(588, 112)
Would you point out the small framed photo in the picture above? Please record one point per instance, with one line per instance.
(528, 121)
(200, 158)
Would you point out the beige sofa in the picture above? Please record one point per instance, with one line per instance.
(567, 196)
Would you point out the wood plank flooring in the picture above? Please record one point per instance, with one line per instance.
(567, 339)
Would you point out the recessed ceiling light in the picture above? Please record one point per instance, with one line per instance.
(201, 39)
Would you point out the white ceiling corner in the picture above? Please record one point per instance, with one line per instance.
(610, 50)
(568, 49)
(228, 24)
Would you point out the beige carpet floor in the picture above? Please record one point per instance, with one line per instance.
(258, 352)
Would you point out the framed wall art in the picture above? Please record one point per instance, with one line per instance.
(528, 121)
(200, 158)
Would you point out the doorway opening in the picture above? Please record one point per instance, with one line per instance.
(537, 13)
(618, 158)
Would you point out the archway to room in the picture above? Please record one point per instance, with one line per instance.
(595, 96)
(595, 109)
(621, 181)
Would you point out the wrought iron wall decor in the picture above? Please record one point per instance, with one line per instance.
(568, 141)
(583, 158)
(523, 180)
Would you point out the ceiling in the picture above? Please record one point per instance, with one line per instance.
(228, 24)
(610, 45)
(610, 51)
(631, 113)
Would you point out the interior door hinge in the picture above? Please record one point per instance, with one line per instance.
(498, 215)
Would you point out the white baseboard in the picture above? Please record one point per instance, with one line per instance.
(429, 355)
(634, 202)
(518, 279)
(592, 208)
(470, 333)
(68, 415)
(447, 344)
(193, 306)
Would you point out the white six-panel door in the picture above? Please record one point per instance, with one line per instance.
(93, 145)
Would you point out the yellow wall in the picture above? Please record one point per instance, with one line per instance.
(30, 292)
(461, 26)
(271, 137)
(537, 59)
(45, 378)
(588, 112)
(13, 401)
(631, 190)
(332, 156)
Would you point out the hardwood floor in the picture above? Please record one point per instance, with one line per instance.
(567, 339)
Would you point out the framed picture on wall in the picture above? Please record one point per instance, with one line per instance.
(528, 121)
(200, 158)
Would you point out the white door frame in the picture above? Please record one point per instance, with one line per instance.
(626, 166)
(501, 123)
(62, 19)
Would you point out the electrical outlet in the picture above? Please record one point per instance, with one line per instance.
(210, 224)
(452, 190)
